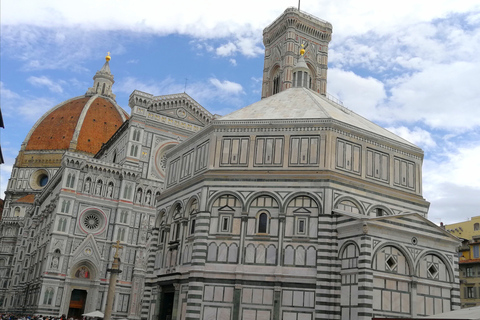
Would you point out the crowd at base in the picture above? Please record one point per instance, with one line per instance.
(8, 316)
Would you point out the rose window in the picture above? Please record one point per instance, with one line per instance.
(92, 221)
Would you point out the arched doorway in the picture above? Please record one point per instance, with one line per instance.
(77, 303)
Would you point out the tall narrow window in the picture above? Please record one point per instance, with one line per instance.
(276, 84)
(262, 223)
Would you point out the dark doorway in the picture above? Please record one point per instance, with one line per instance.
(77, 304)
(166, 304)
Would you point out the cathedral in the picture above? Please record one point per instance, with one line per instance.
(293, 207)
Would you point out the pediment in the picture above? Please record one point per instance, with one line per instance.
(182, 114)
(87, 250)
(182, 107)
(412, 222)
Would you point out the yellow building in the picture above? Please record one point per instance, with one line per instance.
(466, 230)
(469, 260)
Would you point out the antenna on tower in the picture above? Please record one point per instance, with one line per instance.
(184, 90)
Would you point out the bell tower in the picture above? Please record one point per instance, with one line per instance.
(296, 43)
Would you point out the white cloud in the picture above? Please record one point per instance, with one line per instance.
(227, 86)
(45, 81)
(452, 184)
(226, 92)
(415, 135)
(233, 62)
(227, 49)
(249, 46)
(442, 96)
(362, 95)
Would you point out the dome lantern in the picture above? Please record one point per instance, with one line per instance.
(103, 81)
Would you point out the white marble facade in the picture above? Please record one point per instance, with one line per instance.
(291, 208)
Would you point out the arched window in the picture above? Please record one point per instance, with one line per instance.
(276, 84)
(48, 297)
(123, 217)
(193, 212)
(136, 135)
(121, 234)
(70, 180)
(134, 150)
(65, 206)
(262, 223)
(17, 212)
(62, 225)
(476, 226)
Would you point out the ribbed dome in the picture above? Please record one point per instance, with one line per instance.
(82, 124)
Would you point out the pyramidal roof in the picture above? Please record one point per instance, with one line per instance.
(302, 103)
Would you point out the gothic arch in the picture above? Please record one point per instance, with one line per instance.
(94, 272)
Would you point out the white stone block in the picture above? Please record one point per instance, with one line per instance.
(210, 313)
(228, 294)
(208, 293)
(247, 295)
(287, 297)
(386, 301)
(268, 297)
(304, 316)
(263, 315)
(377, 299)
(257, 296)
(249, 315)
(429, 306)
(396, 301)
(218, 294)
(298, 298)
(223, 313)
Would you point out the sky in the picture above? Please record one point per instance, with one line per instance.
(410, 66)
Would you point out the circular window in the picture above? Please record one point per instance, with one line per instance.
(92, 221)
(39, 179)
(43, 180)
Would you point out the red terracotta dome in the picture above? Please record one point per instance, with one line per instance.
(80, 124)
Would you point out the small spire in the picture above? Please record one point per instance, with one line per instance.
(302, 51)
(103, 80)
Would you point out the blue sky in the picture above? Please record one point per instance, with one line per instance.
(411, 66)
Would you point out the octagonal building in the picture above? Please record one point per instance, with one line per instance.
(296, 207)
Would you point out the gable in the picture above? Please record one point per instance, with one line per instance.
(413, 222)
